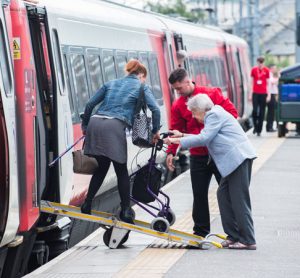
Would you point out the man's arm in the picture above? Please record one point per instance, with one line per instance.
(177, 123)
(211, 128)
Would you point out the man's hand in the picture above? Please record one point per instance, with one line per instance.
(170, 141)
(169, 162)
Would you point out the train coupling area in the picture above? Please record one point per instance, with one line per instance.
(117, 232)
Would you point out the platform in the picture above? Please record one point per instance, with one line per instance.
(275, 193)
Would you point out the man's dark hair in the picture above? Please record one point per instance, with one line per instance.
(260, 59)
(177, 75)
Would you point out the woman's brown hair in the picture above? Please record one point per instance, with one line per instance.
(135, 67)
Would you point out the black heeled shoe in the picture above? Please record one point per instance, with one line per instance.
(126, 215)
(86, 207)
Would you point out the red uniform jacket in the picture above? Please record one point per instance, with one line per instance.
(182, 120)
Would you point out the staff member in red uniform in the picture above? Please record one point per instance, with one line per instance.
(201, 167)
(260, 74)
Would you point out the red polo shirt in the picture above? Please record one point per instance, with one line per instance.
(260, 77)
(182, 120)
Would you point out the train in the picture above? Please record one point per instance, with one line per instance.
(55, 54)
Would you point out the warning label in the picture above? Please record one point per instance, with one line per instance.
(17, 48)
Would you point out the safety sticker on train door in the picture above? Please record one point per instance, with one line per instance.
(17, 48)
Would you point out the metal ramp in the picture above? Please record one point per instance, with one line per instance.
(117, 232)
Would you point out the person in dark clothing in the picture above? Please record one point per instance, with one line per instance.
(201, 166)
(260, 74)
(106, 131)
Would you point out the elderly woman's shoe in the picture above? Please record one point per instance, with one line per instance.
(241, 246)
(227, 242)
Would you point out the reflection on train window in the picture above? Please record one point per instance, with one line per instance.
(71, 99)
(4, 63)
(121, 61)
(95, 72)
(154, 72)
(109, 66)
(80, 80)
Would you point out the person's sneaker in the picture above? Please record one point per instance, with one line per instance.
(86, 207)
(271, 130)
(126, 215)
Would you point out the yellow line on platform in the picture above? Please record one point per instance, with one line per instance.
(156, 262)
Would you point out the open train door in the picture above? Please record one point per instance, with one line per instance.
(9, 199)
(54, 131)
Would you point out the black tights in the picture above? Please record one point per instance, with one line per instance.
(99, 176)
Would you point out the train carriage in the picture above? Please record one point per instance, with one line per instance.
(68, 50)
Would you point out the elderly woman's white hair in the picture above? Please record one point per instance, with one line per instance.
(200, 102)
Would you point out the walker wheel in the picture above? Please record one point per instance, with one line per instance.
(160, 224)
(171, 217)
(107, 236)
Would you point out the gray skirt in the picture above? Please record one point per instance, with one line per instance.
(106, 137)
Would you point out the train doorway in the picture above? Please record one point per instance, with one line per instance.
(4, 173)
(45, 131)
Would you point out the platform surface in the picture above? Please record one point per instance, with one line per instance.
(275, 195)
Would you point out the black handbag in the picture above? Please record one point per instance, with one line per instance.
(142, 127)
(140, 181)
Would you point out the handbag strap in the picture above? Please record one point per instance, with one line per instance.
(141, 101)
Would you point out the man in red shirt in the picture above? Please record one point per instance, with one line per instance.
(202, 168)
(260, 74)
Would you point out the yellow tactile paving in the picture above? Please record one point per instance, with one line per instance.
(155, 262)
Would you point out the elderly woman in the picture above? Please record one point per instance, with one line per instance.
(233, 154)
(106, 131)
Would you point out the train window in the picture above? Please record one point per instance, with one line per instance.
(223, 73)
(144, 60)
(212, 73)
(153, 69)
(202, 71)
(121, 61)
(4, 64)
(71, 100)
(94, 66)
(132, 55)
(56, 48)
(79, 80)
(109, 65)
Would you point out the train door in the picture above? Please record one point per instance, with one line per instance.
(239, 81)
(54, 132)
(9, 198)
(230, 69)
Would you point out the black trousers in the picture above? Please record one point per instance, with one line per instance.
(271, 112)
(259, 107)
(201, 174)
(99, 176)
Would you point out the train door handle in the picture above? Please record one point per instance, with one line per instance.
(32, 101)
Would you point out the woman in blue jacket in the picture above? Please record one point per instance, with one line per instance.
(233, 154)
(106, 131)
